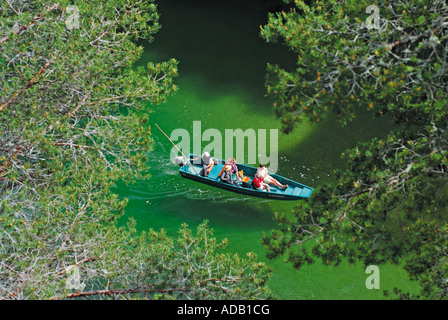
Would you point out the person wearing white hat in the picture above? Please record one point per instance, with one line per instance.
(207, 162)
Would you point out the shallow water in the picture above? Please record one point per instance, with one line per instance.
(221, 83)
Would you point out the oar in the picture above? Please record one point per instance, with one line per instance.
(178, 149)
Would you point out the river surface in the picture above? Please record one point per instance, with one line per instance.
(222, 63)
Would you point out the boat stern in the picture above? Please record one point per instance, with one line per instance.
(306, 192)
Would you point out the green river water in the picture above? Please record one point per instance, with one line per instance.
(222, 63)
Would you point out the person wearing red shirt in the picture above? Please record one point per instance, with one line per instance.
(263, 172)
(258, 183)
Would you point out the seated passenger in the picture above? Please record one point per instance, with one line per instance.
(234, 168)
(226, 176)
(258, 183)
(263, 173)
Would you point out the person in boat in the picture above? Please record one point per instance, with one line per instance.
(207, 163)
(226, 176)
(234, 168)
(263, 173)
(258, 184)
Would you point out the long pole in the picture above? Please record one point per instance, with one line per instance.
(178, 149)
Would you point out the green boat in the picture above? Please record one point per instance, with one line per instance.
(294, 191)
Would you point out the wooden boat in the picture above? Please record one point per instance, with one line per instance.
(295, 190)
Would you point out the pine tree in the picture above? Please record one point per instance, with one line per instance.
(395, 66)
(74, 119)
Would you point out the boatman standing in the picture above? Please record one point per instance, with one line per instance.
(207, 163)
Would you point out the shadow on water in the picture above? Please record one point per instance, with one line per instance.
(313, 159)
(219, 48)
(182, 200)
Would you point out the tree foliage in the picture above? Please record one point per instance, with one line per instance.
(397, 69)
(152, 265)
(73, 120)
